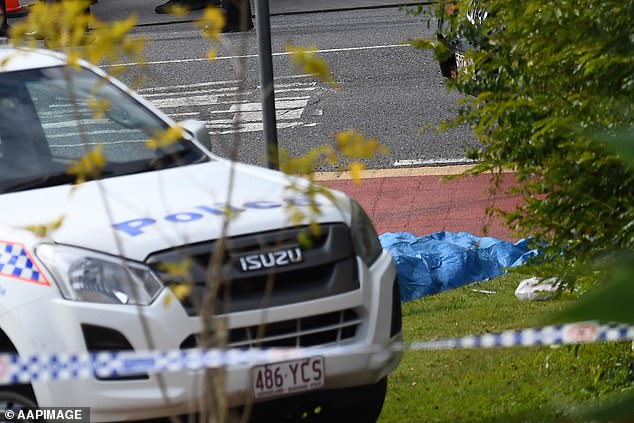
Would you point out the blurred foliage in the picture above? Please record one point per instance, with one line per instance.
(43, 230)
(547, 77)
(348, 152)
(89, 166)
(311, 63)
(549, 95)
(64, 26)
(212, 24)
(540, 384)
(166, 138)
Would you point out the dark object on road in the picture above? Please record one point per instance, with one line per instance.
(86, 10)
(4, 29)
(189, 4)
(238, 13)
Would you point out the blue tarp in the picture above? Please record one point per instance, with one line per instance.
(446, 260)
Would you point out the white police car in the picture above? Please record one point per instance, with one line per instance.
(98, 281)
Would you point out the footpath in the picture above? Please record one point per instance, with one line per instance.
(422, 201)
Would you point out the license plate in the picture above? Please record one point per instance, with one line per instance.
(461, 62)
(287, 377)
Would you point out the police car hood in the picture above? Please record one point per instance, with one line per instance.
(135, 215)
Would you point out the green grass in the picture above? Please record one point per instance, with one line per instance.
(520, 384)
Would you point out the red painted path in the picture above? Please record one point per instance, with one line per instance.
(422, 204)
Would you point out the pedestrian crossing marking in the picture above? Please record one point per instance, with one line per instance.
(244, 111)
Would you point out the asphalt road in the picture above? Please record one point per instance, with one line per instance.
(386, 89)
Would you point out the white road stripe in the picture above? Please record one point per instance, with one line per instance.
(293, 104)
(238, 111)
(288, 90)
(251, 127)
(198, 100)
(219, 91)
(305, 97)
(83, 144)
(254, 56)
(212, 83)
(256, 116)
(185, 114)
(294, 84)
(179, 87)
(73, 123)
(221, 123)
(434, 162)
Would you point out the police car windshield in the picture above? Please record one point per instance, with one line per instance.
(50, 118)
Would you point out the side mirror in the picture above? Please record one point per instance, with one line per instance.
(198, 130)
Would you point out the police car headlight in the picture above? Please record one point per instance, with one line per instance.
(364, 238)
(99, 278)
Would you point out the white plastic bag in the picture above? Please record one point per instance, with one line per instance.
(532, 289)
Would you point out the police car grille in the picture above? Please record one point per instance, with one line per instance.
(328, 268)
(323, 329)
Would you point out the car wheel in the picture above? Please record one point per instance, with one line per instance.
(446, 66)
(11, 403)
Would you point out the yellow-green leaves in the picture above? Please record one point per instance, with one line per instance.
(180, 271)
(212, 23)
(350, 149)
(355, 146)
(177, 10)
(112, 41)
(65, 26)
(165, 138)
(60, 24)
(181, 290)
(311, 64)
(89, 166)
(355, 171)
(306, 164)
(99, 106)
(44, 229)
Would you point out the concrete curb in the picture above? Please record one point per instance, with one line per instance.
(393, 173)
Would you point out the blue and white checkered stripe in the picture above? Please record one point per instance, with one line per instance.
(575, 333)
(16, 262)
(42, 367)
(15, 369)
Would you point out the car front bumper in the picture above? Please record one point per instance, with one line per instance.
(55, 326)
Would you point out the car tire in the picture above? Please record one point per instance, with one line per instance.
(446, 66)
(13, 401)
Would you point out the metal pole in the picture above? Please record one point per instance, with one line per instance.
(263, 28)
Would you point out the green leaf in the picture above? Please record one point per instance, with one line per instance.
(621, 411)
(621, 143)
(610, 303)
